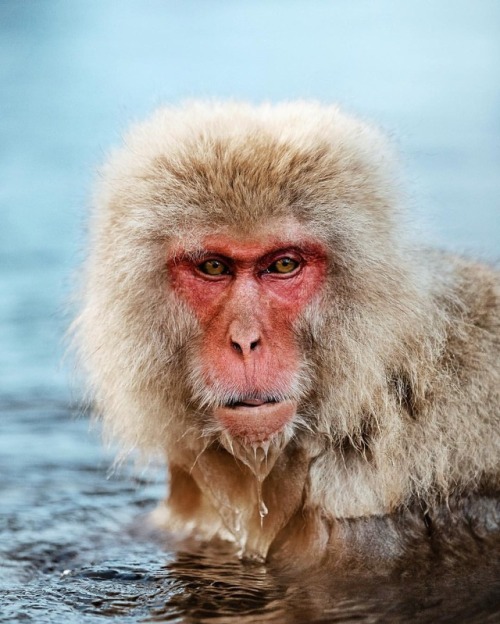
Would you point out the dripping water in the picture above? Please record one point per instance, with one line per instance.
(259, 458)
(256, 459)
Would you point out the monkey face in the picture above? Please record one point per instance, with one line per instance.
(238, 279)
(247, 294)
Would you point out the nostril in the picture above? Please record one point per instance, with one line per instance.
(236, 346)
(245, 348)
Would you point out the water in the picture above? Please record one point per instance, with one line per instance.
(74, 542)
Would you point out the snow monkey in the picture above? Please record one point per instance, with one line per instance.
(254, 308)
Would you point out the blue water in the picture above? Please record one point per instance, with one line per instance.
(73, 74)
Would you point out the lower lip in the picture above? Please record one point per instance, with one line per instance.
(257, 423)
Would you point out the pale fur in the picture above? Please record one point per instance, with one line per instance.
(399, 384)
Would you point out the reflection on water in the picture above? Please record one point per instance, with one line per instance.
(76, 548)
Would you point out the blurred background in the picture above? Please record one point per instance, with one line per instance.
(75, 73)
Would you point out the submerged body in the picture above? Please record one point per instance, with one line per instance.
(255, 308)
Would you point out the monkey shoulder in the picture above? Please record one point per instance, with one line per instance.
(459, 432)
(469, 301)
(477, 286)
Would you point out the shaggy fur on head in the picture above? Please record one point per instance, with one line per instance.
(399, 385)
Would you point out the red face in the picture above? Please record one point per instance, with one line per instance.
(246, 295)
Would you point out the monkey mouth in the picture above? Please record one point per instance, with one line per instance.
(250, 403)
(255, 419)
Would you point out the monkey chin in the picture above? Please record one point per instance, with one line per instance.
(255, 422)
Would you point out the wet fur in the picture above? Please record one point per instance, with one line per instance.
(399, 386)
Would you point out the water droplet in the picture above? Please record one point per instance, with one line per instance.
(237, 521)
(263, 510)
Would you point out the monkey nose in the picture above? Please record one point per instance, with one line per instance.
(244, 340)
(245, 347)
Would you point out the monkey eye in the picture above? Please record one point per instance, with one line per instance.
(283, 266)
(213, 267)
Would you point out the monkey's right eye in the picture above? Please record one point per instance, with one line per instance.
(213, 267)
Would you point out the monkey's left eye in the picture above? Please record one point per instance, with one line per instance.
(213, 267)
(283, 266)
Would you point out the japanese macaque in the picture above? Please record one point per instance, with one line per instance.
(255, 309)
